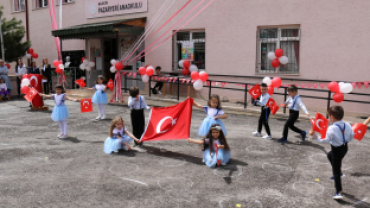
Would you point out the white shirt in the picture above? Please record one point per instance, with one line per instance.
(3, 86)
(213, 111)
(334, 134)
(59, 99)
(296, 103)
(100, 87)
(263, 99)
(137, 104)
(117, 132)
(21, 70)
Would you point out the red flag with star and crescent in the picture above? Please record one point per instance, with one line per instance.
(168, 123)
(320, 124)
(255, 91)
(86, 105)
(273, 106)
(359, 130)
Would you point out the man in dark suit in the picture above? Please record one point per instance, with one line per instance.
(46, 72)
(34, 69)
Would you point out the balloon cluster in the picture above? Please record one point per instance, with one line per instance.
(32, 53)
(116, 66)
(199, 78)
(86, 64)
(271, 83)
(339, 89)
(25, 85)
(146, 73)
(187, 67)
(59, 67)
(277, 58)
(7, 65)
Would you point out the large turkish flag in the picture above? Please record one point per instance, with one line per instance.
(320, 124)
(167, 123)
(36, 82)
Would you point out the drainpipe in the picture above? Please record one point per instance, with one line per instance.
(2, 41)
(27, 30)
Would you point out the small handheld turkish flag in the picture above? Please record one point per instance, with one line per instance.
(110, 84)
(166, 123)
(31, 94)
(320, 124)
(80, 82)
(255, 91)
(359, 130)
(86, 105)
(273, 106)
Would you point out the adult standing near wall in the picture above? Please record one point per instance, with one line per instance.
(4, 75)
(34, 69)
(46, 72)
(20, 70)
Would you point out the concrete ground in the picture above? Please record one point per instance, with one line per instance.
(39, 170)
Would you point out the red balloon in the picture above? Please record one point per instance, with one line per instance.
(275, 63)
(186, 64)
(142, 70)
(278, 53)
(56, 63)
(83, 58)
(35, 55)
(194, 75)
(7, 65)
(24, 76)
(185, 71)
(118, 66)
(276, 82)
(30, 51)
(270, 90)
(338, 97)
(334, 87)
(203, 76)
(25, 89)
(149, 71)
(58, 71)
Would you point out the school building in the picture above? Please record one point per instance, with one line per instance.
(323, 40)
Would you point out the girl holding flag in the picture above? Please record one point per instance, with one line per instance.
(100, 98)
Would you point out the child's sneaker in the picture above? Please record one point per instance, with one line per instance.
(341, 176)
(338, 196)
(267, 137)
(60, 134)
(303, 135)
(104, 117)
(98, 117)
(257, 134)
(64, 136)
(159, 92)
(282, 140)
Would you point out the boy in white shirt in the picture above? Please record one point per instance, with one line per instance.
(265, 113)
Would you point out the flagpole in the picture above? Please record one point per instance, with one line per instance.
(2, 42)
(60, 13)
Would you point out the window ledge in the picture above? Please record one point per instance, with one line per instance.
(17, 12)
(276, 74)
(40, 8)
(66, 3)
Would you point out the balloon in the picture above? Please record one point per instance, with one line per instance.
(86, 62)
(56, 63)
(91, 64)
(24, 76)
(334, 87)
(68, 58)
(113, 69)
(283, 60)
(267, 81)
(193, 68)
(275, 63)
(66, 65)
(30, 51)
(61, 66)
(118, 66)
(181, 63)
(145, 78)
(22, 85)
(338, 97)
(25, 82)
(83, 58)
(271, 55)
(186, 64)
(88, 68)
(142, 70)
(28, 55)
(58, 70)
(276, 82)
(345, 87)
(7, 65)
(35, 55)
(25, 89)
(113, 61)
(278, 53)
(198, 85)
(82, 66)
(150, 71)
(185, 71)
(203, 76)
(270, 90)
(194, 75)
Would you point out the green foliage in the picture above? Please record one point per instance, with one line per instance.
(13, 33)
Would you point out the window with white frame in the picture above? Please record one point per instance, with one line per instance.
(190, 45)
(68, 1)
(41, 3)
(269, 39)
(19, 5)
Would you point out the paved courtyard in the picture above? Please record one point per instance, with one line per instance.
(39, 170)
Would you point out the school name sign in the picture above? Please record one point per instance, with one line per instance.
(100, 8)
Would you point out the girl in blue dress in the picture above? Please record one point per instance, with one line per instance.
(214, 114)
(100, 98)
(216, 150)
(119, 137)
(60, 111)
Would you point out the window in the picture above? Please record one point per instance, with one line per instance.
(41, 3)
(269, 39)
(68, 1)
(19, 5)
(187, 43)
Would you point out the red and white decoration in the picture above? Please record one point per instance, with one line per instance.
(187, 67)
(339, 89)
(145, 73)
(271, 83)
(86, 64)
(320, 124)
(277, 58)
(199, 79)
(32, 53)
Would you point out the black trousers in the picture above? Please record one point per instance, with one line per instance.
(159, 85)
(335, 157)
(265, 113)
(47, 87)
(293, 116)
(138, 123)
(19, 85)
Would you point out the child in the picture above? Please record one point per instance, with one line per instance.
(60, 111)
(158, 84)
(338, 135)
(265, 113)
(100, 98)
(215, 137)
(294, 102)
(119, 137)
(4, 93)
(214, 112)
(137, 104)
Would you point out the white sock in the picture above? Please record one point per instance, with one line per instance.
(102, 109)
(65, 127)
(61, 126)
(99, 110)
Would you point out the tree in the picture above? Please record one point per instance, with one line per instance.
(13, 33)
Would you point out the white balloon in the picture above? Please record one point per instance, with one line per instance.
(25, 81)
(267, 81)
(86, 62)
(198, 85)
(145, 78)
(68, 59)
(91, 64)
(66, 65)
(271, 55)
(28, 55)
(113, 69)
(83, 78)
(345, 88)
(181, 63)
(61, 66)
(22, 85)
(113, 61)
(193, 68)
(283, 60)
(82, 66)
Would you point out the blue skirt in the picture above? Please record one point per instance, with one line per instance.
(115, 144)
(211, 160)
(60, 112)
(206, 125)
(100, 98)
